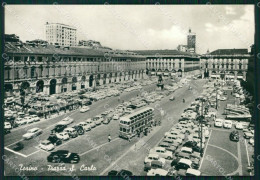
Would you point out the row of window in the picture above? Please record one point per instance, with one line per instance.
(70, 59)
(240, 66)
(25, 73)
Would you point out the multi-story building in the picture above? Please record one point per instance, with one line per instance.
(61, 34)
(182, 48)
(225, 64)
(52, 69)
(191, 42)
(170, 62)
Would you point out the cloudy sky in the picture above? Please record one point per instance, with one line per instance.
(140, 27)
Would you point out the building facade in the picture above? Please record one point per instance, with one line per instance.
(225, 64)
(182, 48)
(53, 70)
(61, 34)
(170, 62)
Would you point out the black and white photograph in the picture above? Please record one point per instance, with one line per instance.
(129, 90)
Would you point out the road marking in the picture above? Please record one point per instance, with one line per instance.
(98, 146)
(132, 148)
(248, 161)
(6, 148)
(14, 143)
(239, 159)
(113, 163)
(205, 149)
(247, 153)
(220, 129)
(32, 153)
(224, 150)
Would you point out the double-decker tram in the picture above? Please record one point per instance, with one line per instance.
(136, 122)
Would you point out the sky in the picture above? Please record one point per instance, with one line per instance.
(140, 27)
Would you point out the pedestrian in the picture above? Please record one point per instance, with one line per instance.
(109, 138)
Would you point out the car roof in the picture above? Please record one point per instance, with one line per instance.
(193, 171)
(186, 148)
(61, 151)
(70, 129)
(82, 122)
(33, 129)
(159, 148)
(153, 155)
(185, 161)
(161, 171)
(228, 121)
(45, 141)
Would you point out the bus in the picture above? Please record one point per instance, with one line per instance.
(136, 122)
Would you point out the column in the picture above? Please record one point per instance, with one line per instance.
(235, 75)
(244, 75)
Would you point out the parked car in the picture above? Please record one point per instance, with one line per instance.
(116, 117)
(152, 157)
(18, 146)
(175, 161)
(234, 136)
(193, 172)
(124, 173)
(218, 122)
(28, 119)
(63, 136)
(86, 126)
(239, 126)
(32, 133)
(66, 121)
(183, 164)
(98, 120)
(228, 124)
(46, 145)
(248, 135)
(252, 141)
(59, 128)
(20, 121)
(112, 173)
(7, 127)
(63, 156)
(80, 130)
(35, 118)
(172, 98)
(157, 172)
(54, 139)
(91, 123)
(84, 109)
(171, 148)
(162, 152)
(72, 132)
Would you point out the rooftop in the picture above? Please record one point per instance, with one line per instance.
(165, 52)
(34, 48)
(229, 52)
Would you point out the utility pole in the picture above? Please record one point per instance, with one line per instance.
(216, 99)
(200, 118)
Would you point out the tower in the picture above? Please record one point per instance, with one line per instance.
(191, 42)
